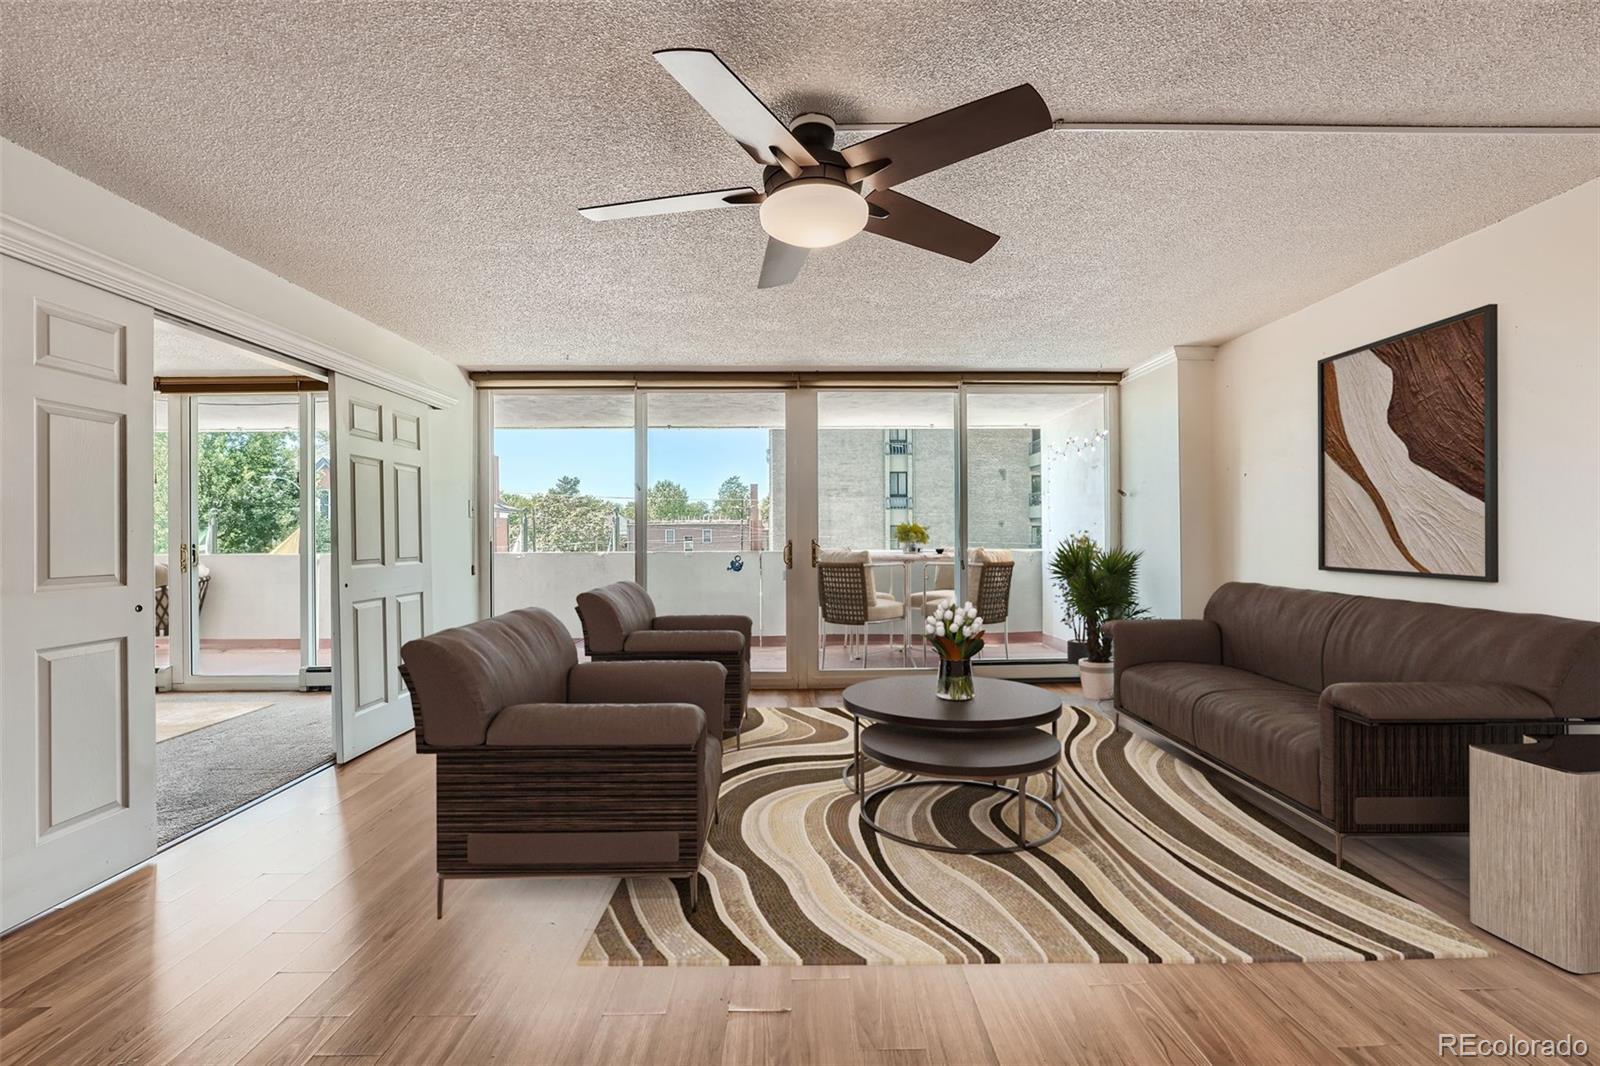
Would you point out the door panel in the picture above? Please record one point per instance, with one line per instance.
(77, 710)
(380, 522)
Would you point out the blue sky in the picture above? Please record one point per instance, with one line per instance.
(602, 459)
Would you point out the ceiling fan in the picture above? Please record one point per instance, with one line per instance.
(814, 196)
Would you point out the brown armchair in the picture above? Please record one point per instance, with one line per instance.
(548, 766)
(620, 623)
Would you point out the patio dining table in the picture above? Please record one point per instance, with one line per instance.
(907, 560)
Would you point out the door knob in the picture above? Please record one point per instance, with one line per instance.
(138, 607)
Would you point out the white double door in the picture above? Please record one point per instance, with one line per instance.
(77, 708)
(77, 703)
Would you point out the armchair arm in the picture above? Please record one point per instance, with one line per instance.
(597, 725)
(1428, 701)
(700, 683)
(737, 622)
(686, 642)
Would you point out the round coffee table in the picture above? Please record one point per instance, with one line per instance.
(994, 736)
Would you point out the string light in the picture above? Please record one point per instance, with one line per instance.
(1077, 446)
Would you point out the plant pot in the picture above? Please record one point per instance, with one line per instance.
(955, 680)
(1096, 678)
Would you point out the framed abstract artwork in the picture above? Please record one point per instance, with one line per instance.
(1406, 453)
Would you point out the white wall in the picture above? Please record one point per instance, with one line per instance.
(1542, 267)
(37, 192)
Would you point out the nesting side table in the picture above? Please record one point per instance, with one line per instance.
(1535, 847)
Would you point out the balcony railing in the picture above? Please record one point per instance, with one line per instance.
(1033, 498)
(897, 502)
(897, 447)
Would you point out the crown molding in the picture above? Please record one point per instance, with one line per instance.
(1149, 366)
(32, 244)
(1061, 125)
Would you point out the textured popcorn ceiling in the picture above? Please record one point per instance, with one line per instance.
(421, 163)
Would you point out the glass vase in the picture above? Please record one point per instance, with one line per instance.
(955, 679)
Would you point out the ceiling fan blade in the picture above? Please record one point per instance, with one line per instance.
(948, 137)
(733, 105)
(671, 205)
(781, 264)
(914, 222)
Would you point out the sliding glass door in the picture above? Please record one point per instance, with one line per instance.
(241, 574)
(715, 534)
(836, 518)
(887, 522)
(561, 500)
(1037, 473)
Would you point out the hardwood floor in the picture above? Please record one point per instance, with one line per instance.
(302, 932)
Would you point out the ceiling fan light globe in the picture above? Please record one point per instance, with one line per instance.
(813, 213)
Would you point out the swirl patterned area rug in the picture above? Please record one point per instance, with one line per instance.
(1154, 865)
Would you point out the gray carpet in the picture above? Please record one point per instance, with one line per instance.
(207, 773)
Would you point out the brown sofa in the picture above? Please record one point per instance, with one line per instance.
(550, 766)
(620, 623)
(1355, 709)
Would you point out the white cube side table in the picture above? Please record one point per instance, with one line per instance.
(1535, 847)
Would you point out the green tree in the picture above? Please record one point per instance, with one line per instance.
(669, 502)
(160, 458)
(249, 489)
(733, 499)
(562, 519)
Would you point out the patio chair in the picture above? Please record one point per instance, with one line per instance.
(546, 766)
(991, 570)
(620, 623)
(163, 610)
(850, 598)
(935, 596)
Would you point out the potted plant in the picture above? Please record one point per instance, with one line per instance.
(956, 633)
(911, 536)
(1097, 585)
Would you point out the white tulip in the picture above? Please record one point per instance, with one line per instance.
(977, 623)
(939, 629)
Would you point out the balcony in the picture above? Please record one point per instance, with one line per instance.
(897, 502)
(897, 447)
(250, 622)
(701, 582)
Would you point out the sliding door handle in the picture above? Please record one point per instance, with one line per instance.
(814, 547)
(788, 555)
(183, 558)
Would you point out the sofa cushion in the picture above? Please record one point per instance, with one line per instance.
(597, 725)
(1165, 693)
(464, 676)
(1278, 632)
(685, 642)
(611, 612)
(1272, 736)
(1399, 640)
